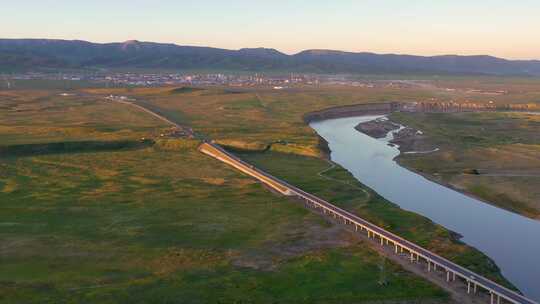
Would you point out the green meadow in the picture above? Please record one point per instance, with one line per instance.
(161, 223)
(93, 214)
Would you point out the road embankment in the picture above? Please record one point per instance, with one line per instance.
(218, 153)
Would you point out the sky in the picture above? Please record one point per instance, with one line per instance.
(509, 29)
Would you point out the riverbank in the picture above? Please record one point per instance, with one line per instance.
(352, 110)
(408, 141)
(416, 147)
(493, 157)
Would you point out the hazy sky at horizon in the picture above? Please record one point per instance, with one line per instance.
(509, 29)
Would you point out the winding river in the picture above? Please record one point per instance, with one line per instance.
(511, 240)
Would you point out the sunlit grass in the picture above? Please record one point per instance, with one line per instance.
(504, 148)
(164, 222)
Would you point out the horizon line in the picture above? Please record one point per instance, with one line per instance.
(270, 48)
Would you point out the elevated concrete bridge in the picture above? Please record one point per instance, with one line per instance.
(497, 293)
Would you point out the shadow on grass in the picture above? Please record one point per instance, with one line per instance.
(182, 90)
(72, 147)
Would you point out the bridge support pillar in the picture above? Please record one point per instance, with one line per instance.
(475, 288)
(453, 276)
(468, 286)
(492, 297)
(429, 266)
(447, 276)
(355, 227)
(396, 248)
(412, 257)
(382, 241)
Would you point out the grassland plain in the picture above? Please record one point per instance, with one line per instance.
(493, 156)
(279, 121)
(259, 117)
(37, 116)
(164, 223)
(167, 224)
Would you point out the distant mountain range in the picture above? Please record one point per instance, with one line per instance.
(33, 54)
